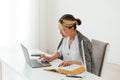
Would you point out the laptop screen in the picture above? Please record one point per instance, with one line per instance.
(25, 51)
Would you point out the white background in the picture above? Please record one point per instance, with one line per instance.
(35, 23)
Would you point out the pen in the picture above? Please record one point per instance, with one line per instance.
(74, 76)
(36, 55)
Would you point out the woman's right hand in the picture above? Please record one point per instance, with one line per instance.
(44, 57)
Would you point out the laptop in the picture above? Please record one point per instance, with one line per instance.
(34, 63)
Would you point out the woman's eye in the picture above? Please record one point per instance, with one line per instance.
(64, 29)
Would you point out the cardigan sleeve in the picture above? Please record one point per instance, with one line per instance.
(88, 56)
(58, 49)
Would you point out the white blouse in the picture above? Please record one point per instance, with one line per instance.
(71, 53)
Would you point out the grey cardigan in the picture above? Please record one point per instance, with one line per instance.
(87, 49)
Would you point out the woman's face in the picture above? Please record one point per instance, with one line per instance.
(64, 31)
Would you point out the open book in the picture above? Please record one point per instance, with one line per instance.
(69, 70)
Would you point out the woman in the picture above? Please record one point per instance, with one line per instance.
(70, 48)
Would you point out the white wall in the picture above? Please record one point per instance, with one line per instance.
(0, 71)
(30, 23)
(23, 21)
(100, 20)
(42, 23)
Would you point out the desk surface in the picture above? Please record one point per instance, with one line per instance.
(16, 62)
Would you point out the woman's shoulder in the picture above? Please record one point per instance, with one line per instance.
(82, 37)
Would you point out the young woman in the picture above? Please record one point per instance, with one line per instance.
(70, 48)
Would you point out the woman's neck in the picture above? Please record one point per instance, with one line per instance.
(73, 34)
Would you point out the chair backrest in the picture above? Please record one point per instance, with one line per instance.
(99, 51)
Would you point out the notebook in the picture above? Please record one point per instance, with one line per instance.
(34, 63)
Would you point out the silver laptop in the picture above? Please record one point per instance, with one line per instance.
(34, 63)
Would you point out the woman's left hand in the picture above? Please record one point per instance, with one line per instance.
(66, 63)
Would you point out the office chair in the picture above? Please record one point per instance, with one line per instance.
(99, 52)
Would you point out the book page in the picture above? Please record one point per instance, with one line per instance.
(72, 69)
(69, 68)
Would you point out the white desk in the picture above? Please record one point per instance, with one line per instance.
(14, 67)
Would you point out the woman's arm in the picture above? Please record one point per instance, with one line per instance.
(55, 56)
(50, 58)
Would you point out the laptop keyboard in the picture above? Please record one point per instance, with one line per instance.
(39, 63)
